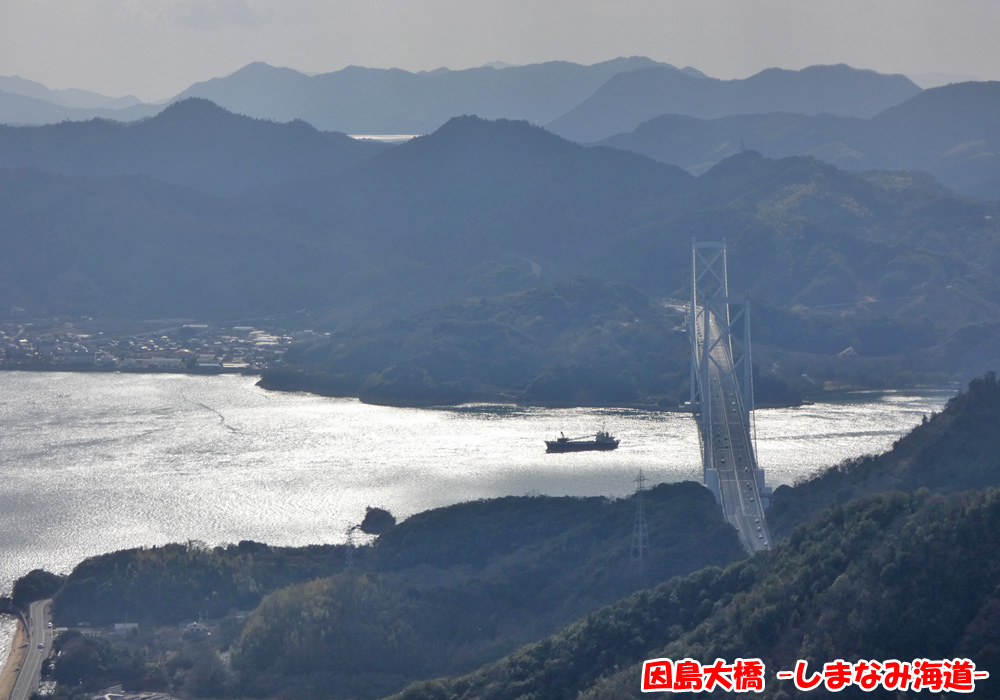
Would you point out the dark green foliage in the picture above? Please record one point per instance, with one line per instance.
(182, 582)
(208, 676)
(35, 585)
(348, 634)
(580, 341)
(377, 521)
(491, 208)
(898, 576)
(954, 450)
(92, 662)
(449, 589)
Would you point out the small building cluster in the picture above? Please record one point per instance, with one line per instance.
(189, 347)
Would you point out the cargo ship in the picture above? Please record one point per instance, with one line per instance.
(603, 440)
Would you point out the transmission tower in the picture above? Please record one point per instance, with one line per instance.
(640, 533)
(349, 552)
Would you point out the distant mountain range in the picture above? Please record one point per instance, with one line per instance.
(77, 99)
(22, 109)
(584, 103)
(631, 98)
(201, 213)
(193, 143)
(952, 132)
(355, 99)
(359, 100)
(329, 222)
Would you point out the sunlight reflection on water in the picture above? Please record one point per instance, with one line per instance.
(99, 462)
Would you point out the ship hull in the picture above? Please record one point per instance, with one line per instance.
(555, 446)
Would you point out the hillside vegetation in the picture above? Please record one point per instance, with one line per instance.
(193, 143)
(448, 590)
(442, 592)
(411, 252)
(954, 450)
(579, 342)
(883, 558)
(881, 574)
(896, 576)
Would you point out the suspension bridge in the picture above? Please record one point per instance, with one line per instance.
(722, 395)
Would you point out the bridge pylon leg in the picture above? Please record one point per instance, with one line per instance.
(722, 394)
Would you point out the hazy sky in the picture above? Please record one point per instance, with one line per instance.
(156, 48)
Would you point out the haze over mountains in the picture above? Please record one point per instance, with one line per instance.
(494, 258)
(375, 101)
(579, 102)
(193, 143)
(855, 119)
(952, 132)
(425, 215)
(200, 212)
(631, 98)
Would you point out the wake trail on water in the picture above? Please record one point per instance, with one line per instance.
(222, 418)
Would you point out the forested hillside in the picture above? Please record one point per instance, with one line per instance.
(897, 576)
(442, 592)
(192, 143)
(400, 252)
(954, 450)
(449, 590)
(576, 342)
(887, 558)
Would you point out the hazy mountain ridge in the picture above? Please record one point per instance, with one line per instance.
(192, 143)
(372, 101)
(803, 232)
(486, 208)
(951, 132)
(83, 99)
(21, 109)
(360, 100)
(478, 191)
(355, 99)
(631, 98)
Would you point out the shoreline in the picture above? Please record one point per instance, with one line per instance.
(15, 657)
(475, 398)
(138, 370)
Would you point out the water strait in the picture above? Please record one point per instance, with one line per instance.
(96, 462)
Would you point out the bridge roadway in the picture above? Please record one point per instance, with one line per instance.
(728, 446)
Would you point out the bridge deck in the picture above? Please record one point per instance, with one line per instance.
(730, 465)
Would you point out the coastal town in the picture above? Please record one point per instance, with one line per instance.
(153, 346)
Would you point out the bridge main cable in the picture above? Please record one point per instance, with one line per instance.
(722, 402)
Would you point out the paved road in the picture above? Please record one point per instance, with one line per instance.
(39, 632)
(729, 445)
